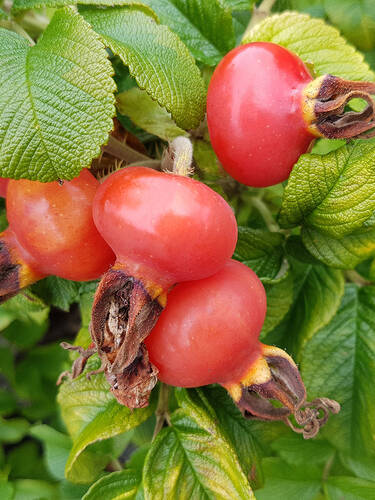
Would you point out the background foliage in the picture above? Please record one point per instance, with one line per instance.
(312, 242)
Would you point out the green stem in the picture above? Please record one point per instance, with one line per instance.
(264, 211)
(259, 13)
(123, 152)
(356, 278)
(162, 410)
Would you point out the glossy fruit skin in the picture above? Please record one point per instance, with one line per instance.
(254, 113)
(3, 186)
(208, 332)
(163, 226)
(54, 224)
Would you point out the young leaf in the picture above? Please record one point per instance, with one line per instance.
(147, 114)
(315, 42)
(91, 414)
(339, 362)
(157, 59)
(261, 250)
(205, 26)
(125, 484)
(355, 19)
(193, 458)
(56, 100)
(343, 253)
(349, 488)
(334, 193)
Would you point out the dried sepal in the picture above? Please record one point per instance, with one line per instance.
(275, 377)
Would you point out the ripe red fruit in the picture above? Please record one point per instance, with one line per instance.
(164, 228)
(3, 186)
(51, 231)
(208, 333)
(264, 109)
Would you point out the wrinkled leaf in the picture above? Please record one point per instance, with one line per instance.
(157, 59)
(205, 26)
(116, 486)
(339, 362)
(334, 193)
(261, 250)
(279, 301)
(19, 5)
(343, 253)
(315, 42)
(56, 100)
(193, 459)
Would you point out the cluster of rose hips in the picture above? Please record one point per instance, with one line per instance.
(156, 237)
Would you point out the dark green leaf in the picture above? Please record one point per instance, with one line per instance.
(297, 452)
(261, 250)
(156, 57)
(292, 483)
(339, 362)
(334, 193)
(279, 301)
(56, 100)
(57, 292)
(204, 25)
(13, 430)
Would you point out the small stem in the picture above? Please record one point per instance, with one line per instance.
(328, 467)
(123, 152)
(162, 410)
(356, 278)
(114, 466)
(259, 13)
(264, 211)
(155, 164)
(13, 26)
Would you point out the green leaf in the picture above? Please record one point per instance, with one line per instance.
(19, 5)
(57, 292)
(91, 414)
(205, 26)
(116, 486)
(13, 430)
(261, 250)
(339, 362)
(3, 14)
(249, 438)
(334, 193)
(315, 42)
(238, 4)
(292, 483)
(343, 253)
(279, 301)
(57, 447)
(193, 459)
(363, 467)
(147, 114)
(319, 293)
(349, 488)
(26, 461)
(297, 452)
(355, 19)
(31, 489)
(157, 59)
(56, 100)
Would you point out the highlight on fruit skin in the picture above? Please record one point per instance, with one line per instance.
(164, 229)
(264, 110)
(208, 333)
(51, 231)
